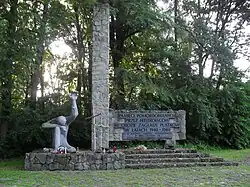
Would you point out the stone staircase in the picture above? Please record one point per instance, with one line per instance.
(165, 158)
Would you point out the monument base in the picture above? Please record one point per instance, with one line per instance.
(83, 160)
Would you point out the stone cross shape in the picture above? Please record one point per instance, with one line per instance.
(61, 127)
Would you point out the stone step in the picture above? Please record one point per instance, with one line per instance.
(159, 151)
(167, 155)
(169, 165)
(170, 160)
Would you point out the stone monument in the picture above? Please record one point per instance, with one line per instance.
(85, 160)
(71, 159)
(61, 127)
(117, 125)
(107, 125)
(144, 125)
(100, 77)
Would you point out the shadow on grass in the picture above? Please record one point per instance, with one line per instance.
(12, 164)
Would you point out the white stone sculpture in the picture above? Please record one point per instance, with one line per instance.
(61, 127)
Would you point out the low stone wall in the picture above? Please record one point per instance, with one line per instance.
(74, 161)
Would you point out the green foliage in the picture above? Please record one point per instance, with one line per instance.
(233, 112)
(160, 59)
(26, 134)
(201, 146)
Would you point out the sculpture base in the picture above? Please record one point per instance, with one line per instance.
(83, 160)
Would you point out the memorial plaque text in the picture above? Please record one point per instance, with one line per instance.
(147, 125)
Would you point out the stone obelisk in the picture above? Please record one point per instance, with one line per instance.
(100, 76)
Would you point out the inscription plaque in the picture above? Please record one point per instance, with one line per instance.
(147, 125)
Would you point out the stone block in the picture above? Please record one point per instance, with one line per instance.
(35, 167)
(147, 125)
(44, 167)
(50, 158)
(55, 166)
(117, 165)
(41, 158)
(99, 156)
(170, 143)
(69, 167)
(78, 166)
(86, 166)
(80, 158)
(61, 159)
(90, 158)
(98, 162)
(27, 162)
(74, 161)
(110, 166)
(36, 160)
(103, 166)
(73, 158)
(109, 159)
(31, 156)
(92, 167)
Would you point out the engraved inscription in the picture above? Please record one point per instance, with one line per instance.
(147, 125)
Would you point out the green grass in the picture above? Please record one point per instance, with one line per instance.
(227, 154)
(209, 176)
(235, 155)
(16, 163)
(12, 175)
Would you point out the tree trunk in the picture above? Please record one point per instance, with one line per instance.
(89, 104)
(200, 63)
(42, 92)
(81, 74)
(117, 39)
(176, 22)
(212, 70)
(39, 57)
(200, 53)
(7, 81)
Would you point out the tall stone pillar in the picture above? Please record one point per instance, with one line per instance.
(100, 77)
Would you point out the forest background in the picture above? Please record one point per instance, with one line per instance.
(171, 54)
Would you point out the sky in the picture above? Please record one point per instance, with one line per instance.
(59, 47)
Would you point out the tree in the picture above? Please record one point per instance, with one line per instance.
(181, 57)
(11, 18)
(126, 22)
(40, 29)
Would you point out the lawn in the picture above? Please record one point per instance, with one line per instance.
(12, 175)
(236, 155)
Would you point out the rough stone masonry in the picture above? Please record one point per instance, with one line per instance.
(100, 77)
(83, 160)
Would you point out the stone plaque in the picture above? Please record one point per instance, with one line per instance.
(147, 125)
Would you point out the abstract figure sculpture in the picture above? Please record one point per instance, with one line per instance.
(61, 127)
